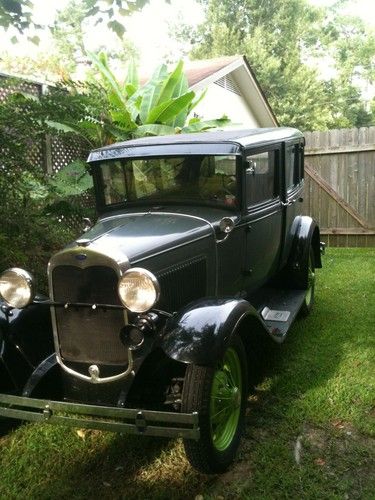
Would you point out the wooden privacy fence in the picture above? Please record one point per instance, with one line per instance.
(340, 185)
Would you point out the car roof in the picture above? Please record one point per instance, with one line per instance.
(231, 140)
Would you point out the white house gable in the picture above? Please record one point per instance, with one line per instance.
(231, 90)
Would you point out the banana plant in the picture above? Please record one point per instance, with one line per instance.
(162, 106)
(114, 111)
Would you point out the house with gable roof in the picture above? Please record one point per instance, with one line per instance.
(232, 90)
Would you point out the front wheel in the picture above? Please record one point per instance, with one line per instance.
(219, 395)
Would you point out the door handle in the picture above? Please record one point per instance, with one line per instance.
(290, 202)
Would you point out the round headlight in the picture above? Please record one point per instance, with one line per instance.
(138, 290)
(17, 287)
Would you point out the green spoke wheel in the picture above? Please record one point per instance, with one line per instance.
(219, 396)
(310, 285)
(225, 403)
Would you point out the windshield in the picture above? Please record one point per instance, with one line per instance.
(207, 179)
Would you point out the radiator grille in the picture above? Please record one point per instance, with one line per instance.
(87, 335)
(182, 284)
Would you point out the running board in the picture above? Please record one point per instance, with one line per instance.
(278, 309)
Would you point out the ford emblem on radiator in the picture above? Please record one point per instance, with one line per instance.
(81, 256)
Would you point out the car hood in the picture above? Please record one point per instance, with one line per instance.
(139, 236)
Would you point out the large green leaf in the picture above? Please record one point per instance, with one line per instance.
(114, 93)
(134, 104)
(170, 109)
(160, 72)
(171, 82)
(123, 120)
(36, 189)
(130, 89)
(153, 129)
(201, 126)
(151, 92)
(180, 89)
(181, 119)
(72, 180)
(63, 127)
(198, 100)
(79, 128)
(132, 76)
(108, 78)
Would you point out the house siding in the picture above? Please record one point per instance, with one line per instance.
(220, 101)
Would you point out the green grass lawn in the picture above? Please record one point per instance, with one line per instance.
(315, 406)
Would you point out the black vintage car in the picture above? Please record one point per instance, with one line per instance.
(199, 253)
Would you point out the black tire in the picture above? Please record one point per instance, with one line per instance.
(308, 302)
(201, 393)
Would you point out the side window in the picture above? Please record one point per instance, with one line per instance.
(301, 161)
(261, 181)
(291, 166)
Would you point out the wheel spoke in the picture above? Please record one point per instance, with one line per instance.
(230, 378)
(221, 413)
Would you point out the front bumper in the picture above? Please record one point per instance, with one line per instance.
(106, 418)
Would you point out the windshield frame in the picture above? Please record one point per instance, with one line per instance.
(102, 207)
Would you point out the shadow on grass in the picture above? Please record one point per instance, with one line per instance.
(127, 467)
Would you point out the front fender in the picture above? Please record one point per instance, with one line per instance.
(31, 330)
(199, 333)
(25, 340)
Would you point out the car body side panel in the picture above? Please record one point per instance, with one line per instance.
(263, 234)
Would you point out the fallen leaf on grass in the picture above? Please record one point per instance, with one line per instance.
(81, 433)
(338, 424)
(320, 461)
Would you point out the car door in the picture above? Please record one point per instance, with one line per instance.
(263, 215)
(292, 193)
